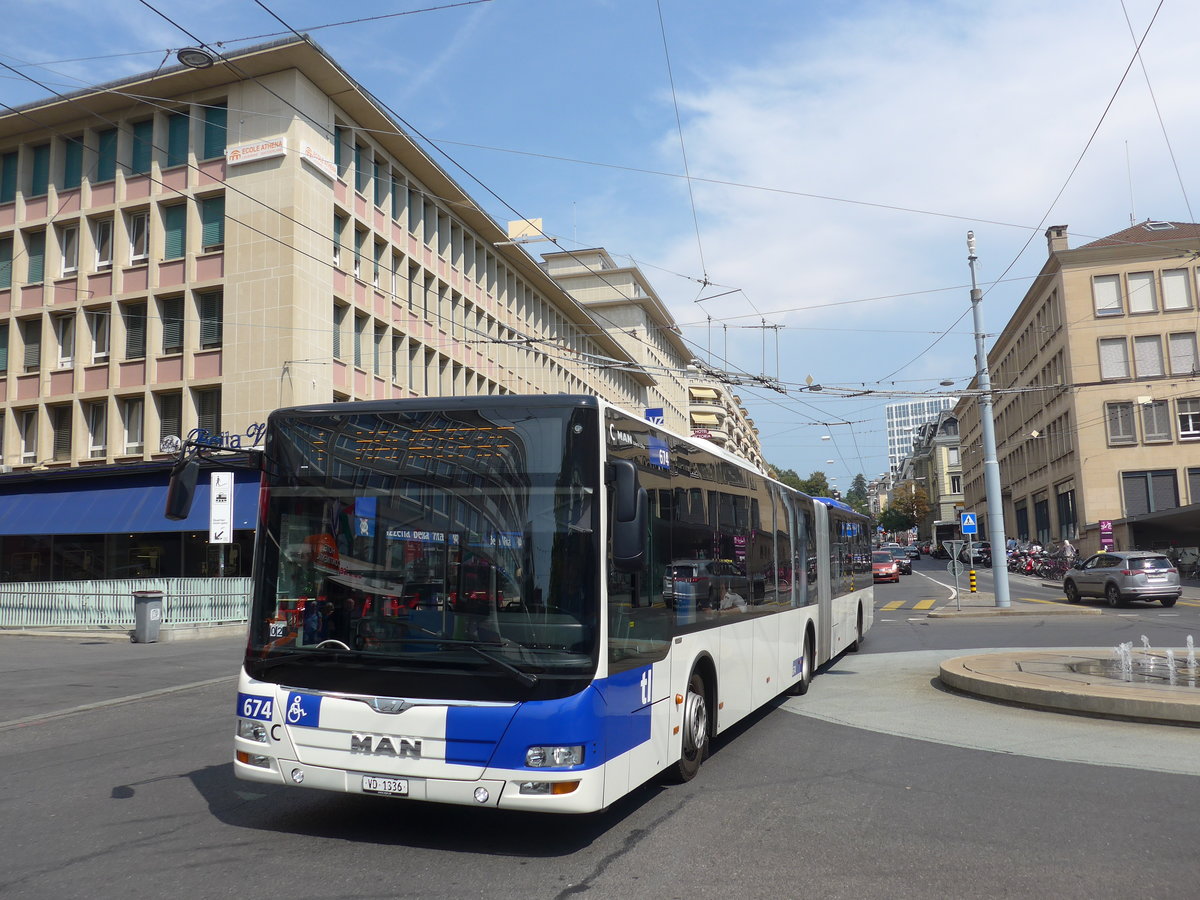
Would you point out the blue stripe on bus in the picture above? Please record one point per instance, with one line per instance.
(608, 718)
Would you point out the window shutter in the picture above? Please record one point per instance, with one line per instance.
(1177, 291)
(215, 118)
(1106, 290)
(106, 155)
(143, 143)
(339, 318)
(178, 132)
(6, 250)
(175, 227)
(1114, 358)
(35, 246)
(1141, 292)
(172, 324)
(212, 222)
(72, 163)
(1164, 493)
(170, 415)
(61, 424)
(41, 170)
(1182, 348)
(135, 331)
(8, 177)
(4, 347)
(1156, 421)
(208, 405)
(210, 320)
(1147, 355)
(32, 333)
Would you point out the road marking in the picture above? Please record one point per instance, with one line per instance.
(925, 604)
(892, 607)
(115, 701)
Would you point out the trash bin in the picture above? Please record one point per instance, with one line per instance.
(147, 616)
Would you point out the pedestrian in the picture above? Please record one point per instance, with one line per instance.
(1068, 549)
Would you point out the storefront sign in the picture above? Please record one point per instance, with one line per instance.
(227, 440)
(220, 510)
(1106, 535)
(255, 150)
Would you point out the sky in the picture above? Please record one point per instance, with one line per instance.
(813, 167)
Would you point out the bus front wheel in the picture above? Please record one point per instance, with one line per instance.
(695, 730)
(800, 688)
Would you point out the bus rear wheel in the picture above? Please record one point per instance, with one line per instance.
(695, 730)
(800, 688)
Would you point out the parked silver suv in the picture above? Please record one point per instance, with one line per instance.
(1119, 576)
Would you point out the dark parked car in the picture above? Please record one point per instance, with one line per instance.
(902, 561)
(1119, 576)
(912, 551)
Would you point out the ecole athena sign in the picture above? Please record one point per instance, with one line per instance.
(255, 150)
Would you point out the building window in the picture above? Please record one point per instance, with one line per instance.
(174, 230)
(339, 224)
(339, 323)
(72, 163)
(3, 352)
(339, 149)
(102, 237)
(1068, 527)
(98, 321)
(211, 319)
(1177, 289)
(1142, 296)
(8, 177)
(132, 415)
(1041, 520)
(68, 242)
(377, 360)
(35, 250)
(1156, 421)
(956, 484)
(171, 312)
(27, 426)
(1188, 411)
(1114, 358)
(380, 184)
(134, 316)
(215, 118)
(1146, 492)
(208, 410)
(106, 154)
(97, 421)
(139, 237)
(1106, 293)
(1148, 356)
(1022, 524)
(40, 181)
(380, 246)
(360, 238)
(60, 426)
(64, 333)
(1182, 348)
(31, 336)
(170, 415)
(362, 177)
(178, 129)
(1119, 418)
(212, 223)
(6, 259)
(143, 145)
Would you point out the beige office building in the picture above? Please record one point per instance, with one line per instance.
(183, 252)
(1097, 403)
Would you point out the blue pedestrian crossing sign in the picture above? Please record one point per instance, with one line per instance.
(969, 524)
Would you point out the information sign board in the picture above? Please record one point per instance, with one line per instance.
(969, 523)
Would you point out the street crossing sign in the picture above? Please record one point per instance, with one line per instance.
(952, 547)
(969, 524)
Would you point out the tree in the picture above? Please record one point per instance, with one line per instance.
(911, 501)
(893, 519)
(857, 495)
(787, 476)
(816, 485)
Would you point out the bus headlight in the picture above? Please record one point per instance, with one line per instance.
(252, 731)
(554, 757)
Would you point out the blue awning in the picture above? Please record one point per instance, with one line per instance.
(114, 505)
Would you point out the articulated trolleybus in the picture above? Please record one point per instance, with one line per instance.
(531, 603)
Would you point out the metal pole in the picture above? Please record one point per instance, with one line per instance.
(991, 468)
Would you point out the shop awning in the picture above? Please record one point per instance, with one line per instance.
(115, 505)
(705, 419)
(703, 394)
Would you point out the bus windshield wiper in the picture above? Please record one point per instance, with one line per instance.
(528, 679)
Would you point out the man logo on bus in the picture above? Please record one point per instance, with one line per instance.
(382, 745)
(646, 681)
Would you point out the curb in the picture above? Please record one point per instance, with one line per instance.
(1043, 680)
(983, 612)
(166, 634)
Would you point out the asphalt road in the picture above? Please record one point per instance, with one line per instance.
(876, 784)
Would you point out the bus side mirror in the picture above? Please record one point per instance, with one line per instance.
(182, 488)
(630, 513)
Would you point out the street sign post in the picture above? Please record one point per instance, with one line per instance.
(954, 567)
(953, 548)
(969, 523)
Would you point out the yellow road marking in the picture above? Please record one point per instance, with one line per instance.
(925, 604)
(895, 604)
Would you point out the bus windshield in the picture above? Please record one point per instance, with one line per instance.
(414, 550)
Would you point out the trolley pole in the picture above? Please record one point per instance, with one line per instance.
(991, 467)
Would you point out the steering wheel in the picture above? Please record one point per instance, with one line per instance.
(332, 643)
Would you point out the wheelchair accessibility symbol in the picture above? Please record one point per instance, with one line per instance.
(304, 710)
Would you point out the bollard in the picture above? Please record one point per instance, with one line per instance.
(973, 581)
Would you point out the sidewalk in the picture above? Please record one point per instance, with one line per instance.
(983, 603)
